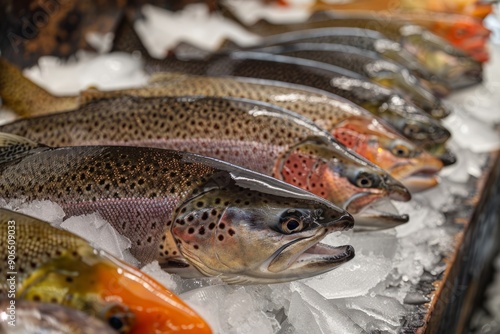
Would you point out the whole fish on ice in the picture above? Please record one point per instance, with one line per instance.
(56, 266)
(196, 216)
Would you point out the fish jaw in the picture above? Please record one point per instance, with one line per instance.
(380, 215)
(156, 308)
(340, 176)
(235, 234)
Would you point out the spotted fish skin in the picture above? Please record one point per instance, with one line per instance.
(380, 71)
(372, 42)
(58, 267)
(439, 56)
(165, 202)
(253, 135)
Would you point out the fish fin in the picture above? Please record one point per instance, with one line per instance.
(126, 38)
(14, 147)
(25, 97)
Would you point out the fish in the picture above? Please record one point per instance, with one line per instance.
(368, 65)
(49, 265)
(328, 111)
(195, 215)
(247, 133)
(323, 108)
(28, 99)
(439, 56)
(48, 318)
(265, 66)
(365, 39)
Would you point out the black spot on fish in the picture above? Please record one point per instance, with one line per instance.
(190, 230)
(231, 232)
(211, 226)
(220, 237)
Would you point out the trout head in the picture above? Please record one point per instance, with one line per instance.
(406, 162)
(248, 230)
(412, 122)
(336, 174)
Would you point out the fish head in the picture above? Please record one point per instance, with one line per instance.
(412, 122)
(405, 161)
(125, 298)
(457, 69)
(333, 172)
(259, 230)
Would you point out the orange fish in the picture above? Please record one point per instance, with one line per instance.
(57, 266)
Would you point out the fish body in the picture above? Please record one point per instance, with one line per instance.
(196, 216)
(328, 111)
(55, 266)
(372, 42)
(439, 56)
(47, 318)
(368, 65)
(253, 135)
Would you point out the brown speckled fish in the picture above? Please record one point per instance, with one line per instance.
(44, 264)
(247, 133)
(197, 216)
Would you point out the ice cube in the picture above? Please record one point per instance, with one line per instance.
(354, 278)
(154, 270)
(311, 313)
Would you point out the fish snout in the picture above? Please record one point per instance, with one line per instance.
(448, 158)
(396, 190)
(343, 223)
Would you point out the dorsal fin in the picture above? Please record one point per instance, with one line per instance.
(14, 147)
(126, 38)
(27, 98)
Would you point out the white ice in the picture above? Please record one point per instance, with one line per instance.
(163, 30)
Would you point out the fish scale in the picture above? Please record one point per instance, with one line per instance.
(247, 133)
(58, 267)
(153, 197)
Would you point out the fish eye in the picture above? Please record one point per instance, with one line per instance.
(292, 225)
(400, 151)
(291, 221)
(119, 318)
(411, 130)
(366, 180)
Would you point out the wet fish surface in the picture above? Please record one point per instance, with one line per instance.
(253, 135)
(197, 216)
(48, 265)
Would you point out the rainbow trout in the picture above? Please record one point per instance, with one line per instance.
(440, 57)
(45, 264)
(368, 40)
(333, 79)
(368, 65)
(383, 146)
(247, 133)
(196, 216)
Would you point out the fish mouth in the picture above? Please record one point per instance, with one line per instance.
(421, 179)
(468, 78)
(306, 256)
(312, 260)
(379, 215)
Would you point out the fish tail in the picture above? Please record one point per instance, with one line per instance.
(14, 147)
(26, 98)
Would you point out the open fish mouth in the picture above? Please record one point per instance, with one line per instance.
(421, 179)
(379, 215)
(324, 255)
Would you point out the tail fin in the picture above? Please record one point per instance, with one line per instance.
(26, 98)
(126, 39)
